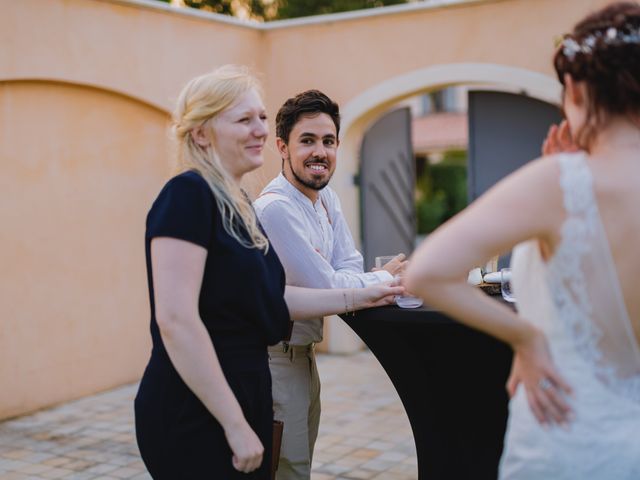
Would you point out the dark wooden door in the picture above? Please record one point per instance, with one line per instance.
(387, 184)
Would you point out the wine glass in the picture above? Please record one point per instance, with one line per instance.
(505, 285)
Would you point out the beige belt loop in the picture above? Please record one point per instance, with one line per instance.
(292, 351)
(292, 355)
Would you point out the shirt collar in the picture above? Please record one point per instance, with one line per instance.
(297, 194)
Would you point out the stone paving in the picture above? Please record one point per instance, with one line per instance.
(364, 432)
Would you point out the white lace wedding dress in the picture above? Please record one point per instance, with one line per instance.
(575, 297)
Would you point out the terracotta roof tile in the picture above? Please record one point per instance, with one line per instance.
(440, 131)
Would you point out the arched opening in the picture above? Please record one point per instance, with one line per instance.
(363, 111)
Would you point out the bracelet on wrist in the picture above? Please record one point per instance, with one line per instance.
(346, 304)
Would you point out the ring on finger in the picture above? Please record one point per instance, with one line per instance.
(545, 384)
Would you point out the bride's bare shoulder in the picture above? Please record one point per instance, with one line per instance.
(546, 168)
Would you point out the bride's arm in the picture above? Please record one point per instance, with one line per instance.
(525, 205)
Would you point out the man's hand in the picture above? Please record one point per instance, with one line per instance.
(396, 266)
(559, 140)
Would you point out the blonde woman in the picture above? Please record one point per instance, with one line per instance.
(575, 219)
(217, 293)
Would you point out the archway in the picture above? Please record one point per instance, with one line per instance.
(363, 110)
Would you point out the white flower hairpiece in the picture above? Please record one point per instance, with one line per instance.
(611, 36)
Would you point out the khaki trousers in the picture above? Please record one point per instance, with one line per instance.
(296, 401)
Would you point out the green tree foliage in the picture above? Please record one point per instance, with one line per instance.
(282, 9)
(442, 191)
(257, 9)
(303, 8)
(216, 6)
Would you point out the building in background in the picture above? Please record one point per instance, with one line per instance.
(86, 90)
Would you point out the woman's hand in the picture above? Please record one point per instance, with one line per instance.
(246, 447)
(559, 140)
(375, 295)
(546, 389)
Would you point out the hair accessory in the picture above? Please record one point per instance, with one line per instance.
(611, 37)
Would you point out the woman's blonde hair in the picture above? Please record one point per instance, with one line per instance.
(201, 100)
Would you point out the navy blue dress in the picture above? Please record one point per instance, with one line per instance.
(242, 307)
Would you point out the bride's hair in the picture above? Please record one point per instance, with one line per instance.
(604, 51)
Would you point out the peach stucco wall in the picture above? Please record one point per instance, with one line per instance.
(79, 167)
(85, 91)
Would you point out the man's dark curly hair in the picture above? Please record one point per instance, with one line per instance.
(305, 104)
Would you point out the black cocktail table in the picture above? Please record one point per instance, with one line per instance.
(451, 380)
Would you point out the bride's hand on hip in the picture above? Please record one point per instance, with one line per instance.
(545, 388)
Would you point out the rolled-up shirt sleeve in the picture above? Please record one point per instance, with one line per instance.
(303, 264)
(346, 257)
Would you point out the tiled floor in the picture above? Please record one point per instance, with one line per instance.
(364, 433)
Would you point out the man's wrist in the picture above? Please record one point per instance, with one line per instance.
(383, 275)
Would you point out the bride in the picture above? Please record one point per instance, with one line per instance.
(574, 221)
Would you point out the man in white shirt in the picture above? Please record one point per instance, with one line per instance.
(305, 225)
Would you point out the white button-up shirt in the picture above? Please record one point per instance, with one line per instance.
(313, 243)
